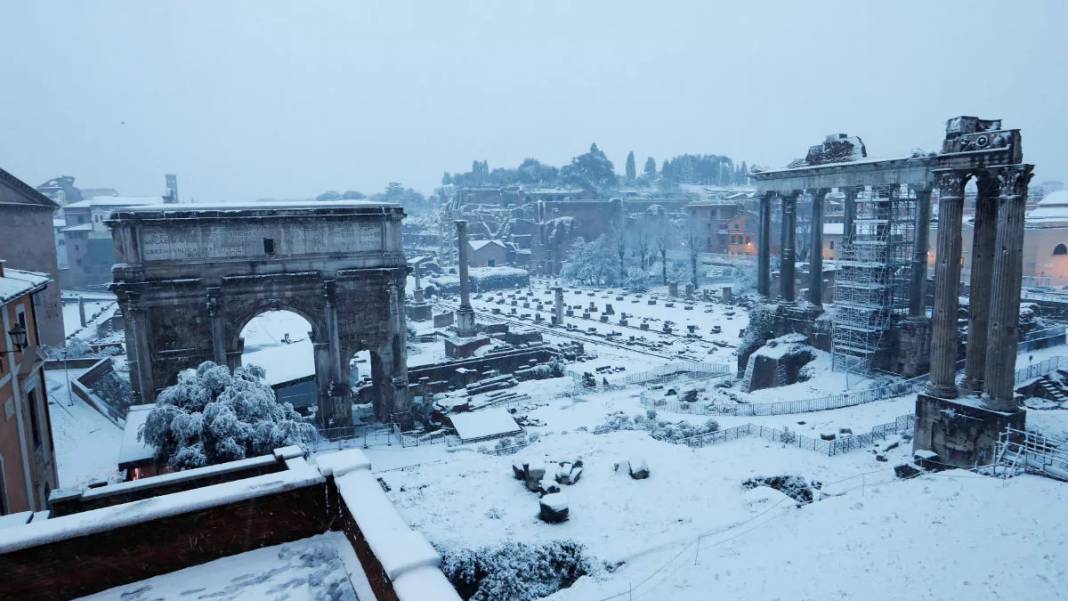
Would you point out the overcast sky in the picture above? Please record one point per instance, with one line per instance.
(255, 99)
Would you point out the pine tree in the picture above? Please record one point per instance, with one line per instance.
(650, 168)
(631, 169)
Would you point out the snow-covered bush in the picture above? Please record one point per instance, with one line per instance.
(515, 571)
(792, 485)
(212, 416)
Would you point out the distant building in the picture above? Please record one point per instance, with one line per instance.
(27, 454)
(87, 238)
(488, 253)
(712, 222)
(27, 241)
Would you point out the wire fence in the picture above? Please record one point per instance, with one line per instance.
(788, 438)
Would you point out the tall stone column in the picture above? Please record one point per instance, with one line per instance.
(789, 240)
(947, 285)
(849, 210)
(983, 244)
(1005, 291)
(138, 349)
(558, 305)
(764, 248)
(218, 326)
(815, 260)
(465, 315)
(918, 285)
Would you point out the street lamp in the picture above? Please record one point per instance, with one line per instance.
(18, 337)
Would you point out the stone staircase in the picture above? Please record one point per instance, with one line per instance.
(1052, 390)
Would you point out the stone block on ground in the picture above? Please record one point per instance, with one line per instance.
(535, 473)
(553, 508)
(638, 468)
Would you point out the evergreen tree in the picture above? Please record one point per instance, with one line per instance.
(650, 168)
(591, 171)
(631, 169)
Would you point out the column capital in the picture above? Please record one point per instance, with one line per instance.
(951, 182)
(1013, 179)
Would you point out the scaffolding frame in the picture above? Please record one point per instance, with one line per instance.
(873, 276)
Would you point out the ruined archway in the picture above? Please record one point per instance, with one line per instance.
(190, 277)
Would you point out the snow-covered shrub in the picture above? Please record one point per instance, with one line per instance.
(515, 571)
(787, 436)
(792, 485)
(212, 416)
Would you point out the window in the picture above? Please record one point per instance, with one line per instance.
(832, 244)
(492, 263)
(1060, 249)
(35, 425)
(268, 246)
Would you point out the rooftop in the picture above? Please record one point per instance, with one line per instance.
(114, 201)
(16, 282)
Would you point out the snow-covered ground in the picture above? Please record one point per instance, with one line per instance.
(312, 569)
(96, 311)
(87, 444)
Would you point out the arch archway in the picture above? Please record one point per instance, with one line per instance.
(191, 277)
(1059, 250)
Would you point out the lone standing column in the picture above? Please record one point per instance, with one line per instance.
(558, 305)
(983, 243)
(789, 239)
(764, 251)
(815, 261)
(1005, 292)
(947, 285)
(918, 285)
(465, 315)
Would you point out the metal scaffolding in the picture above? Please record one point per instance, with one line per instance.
(872, 280)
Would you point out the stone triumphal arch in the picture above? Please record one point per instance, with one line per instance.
(189, 277)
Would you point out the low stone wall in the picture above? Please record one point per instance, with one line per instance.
(163, 524)
(505, 362)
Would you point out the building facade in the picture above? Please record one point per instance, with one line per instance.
(87, 239)
(27, 241)
(27, 453)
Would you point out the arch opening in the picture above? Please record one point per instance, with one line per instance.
(280, 342)
(1059, 250)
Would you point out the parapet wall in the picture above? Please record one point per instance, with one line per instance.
(116, 544)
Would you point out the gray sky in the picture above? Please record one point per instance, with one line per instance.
(287, 99)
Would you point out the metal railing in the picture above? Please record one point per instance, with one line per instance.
(839, 445)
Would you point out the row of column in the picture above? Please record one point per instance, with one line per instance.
(996, 275)
(788, 241)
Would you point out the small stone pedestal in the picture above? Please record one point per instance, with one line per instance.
(960, 431)
(419, 311)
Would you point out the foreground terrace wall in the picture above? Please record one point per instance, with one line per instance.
(91, 551)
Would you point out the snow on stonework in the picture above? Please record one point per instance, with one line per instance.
(312, 569)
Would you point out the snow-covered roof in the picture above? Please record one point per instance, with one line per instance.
(267, 204)
(480, 244)
(833, 229)
(81, 227)
(486, 423)
(283, 363)
(134, 450)
(1051, 210)
(114, 201)
(16, 282)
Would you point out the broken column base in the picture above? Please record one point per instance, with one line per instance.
(960, 431)
(419, 311)
(912, 352)
(465, 322)
(463, 347)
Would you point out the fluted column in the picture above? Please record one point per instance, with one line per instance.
(983, 242)
(815, 260)
(947, 285)
(918, 285)
(465, 315)
(789, 241)
(764, 248)
(1005, 291)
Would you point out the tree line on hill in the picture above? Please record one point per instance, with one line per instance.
(594, 171)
